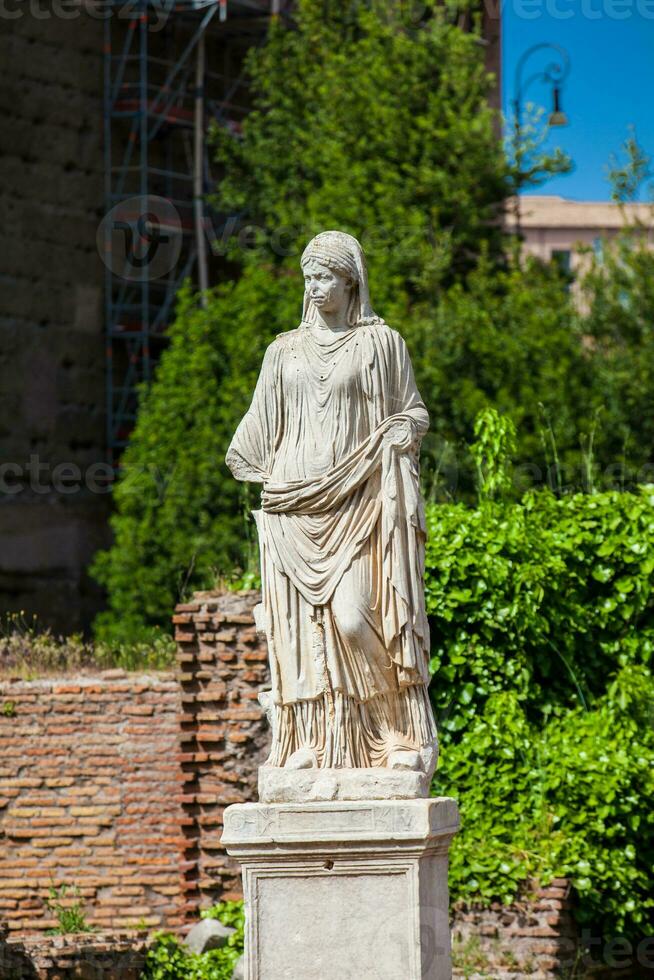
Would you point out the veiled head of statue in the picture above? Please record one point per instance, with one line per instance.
(341, 254)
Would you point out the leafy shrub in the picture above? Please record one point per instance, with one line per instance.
(68, 908)
(167, 959)
(542, 639)
(574, 798)
(547, 597)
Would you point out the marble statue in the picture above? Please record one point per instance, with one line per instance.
(333, 434)
(345, 855)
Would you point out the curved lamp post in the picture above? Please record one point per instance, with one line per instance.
(555, 73)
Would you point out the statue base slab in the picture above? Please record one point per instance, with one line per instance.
(324, 785)
(344, 890)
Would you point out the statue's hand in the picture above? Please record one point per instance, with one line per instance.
(401, 436)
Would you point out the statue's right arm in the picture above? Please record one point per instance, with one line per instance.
(241, 469)
(249, 454)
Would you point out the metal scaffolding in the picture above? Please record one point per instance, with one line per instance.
(159, 98)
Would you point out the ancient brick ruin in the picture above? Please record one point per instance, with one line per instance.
(90, 798)
(223, 667)
(117, 784)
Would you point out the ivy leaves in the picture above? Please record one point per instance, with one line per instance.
(547, 597)
(573, 797)
(543, 631)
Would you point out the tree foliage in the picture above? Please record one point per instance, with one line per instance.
(368, 121)
(618, 292)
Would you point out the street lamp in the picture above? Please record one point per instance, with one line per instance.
(554, 74)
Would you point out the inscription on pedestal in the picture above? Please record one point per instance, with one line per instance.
(303, 820)
(252, 821)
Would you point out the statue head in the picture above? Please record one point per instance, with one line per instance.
(335, 273)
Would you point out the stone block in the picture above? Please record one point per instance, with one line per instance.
(208, 934)
(283, 785)
(344, 890)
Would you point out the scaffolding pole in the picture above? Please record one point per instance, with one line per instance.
(159, 96)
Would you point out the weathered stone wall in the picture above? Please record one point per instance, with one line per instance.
(51, 325)
(223, 667)
(80, 957)
(534, 938)
(90, 797)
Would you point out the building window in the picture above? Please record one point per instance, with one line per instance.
(561, 258)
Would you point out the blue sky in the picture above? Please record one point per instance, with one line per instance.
(610, 85)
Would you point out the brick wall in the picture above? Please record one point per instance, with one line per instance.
(223, 667)
(90, 796)
(536, 937)
(91, 957)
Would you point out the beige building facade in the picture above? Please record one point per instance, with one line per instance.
(554, 228)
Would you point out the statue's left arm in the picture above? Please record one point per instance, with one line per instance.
(405, 627)
(404, 396)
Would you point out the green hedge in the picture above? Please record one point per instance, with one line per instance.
(548, 597)
(573, 797)
(542, 636)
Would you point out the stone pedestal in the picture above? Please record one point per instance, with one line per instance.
(345, 890)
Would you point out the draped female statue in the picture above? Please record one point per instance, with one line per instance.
(333, 434)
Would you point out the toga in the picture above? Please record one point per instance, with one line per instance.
(341, 533)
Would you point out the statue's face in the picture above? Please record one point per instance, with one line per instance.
(328, 290)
